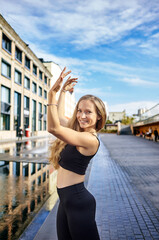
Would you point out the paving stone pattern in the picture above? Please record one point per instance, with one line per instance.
(122, 213)
(139, 159)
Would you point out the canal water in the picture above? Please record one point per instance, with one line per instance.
(24, 188)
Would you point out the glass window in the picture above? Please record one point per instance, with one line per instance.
(26, 82)
(27, 62)
(18, 77)
(45, 109)
(6, 43)
(17, 111)
(45, 116)
(34, 69)
(5, 109)
(40, 75)
(45, 94)
(5, 94)
(40, 107)
(45, 80)
(40, 117)
(26, 103)
(4, 122)
(34, 87)
(40, 91)
(33, 115)
(18, 54)
(6, 69)
(26, 112)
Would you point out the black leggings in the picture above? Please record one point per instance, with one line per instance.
(76, 214)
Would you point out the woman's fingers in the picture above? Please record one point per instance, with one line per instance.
(63, 74)
(63, 70)
(72, 80)
(68, 78)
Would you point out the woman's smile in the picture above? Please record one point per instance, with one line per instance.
(86, 114)
(83, 121)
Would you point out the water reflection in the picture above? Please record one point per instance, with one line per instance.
(24, 187)
(25, 148)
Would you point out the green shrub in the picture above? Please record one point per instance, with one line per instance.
(107, 131)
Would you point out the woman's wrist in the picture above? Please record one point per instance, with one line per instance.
(52, 104)
(63, 90)
(52, 98)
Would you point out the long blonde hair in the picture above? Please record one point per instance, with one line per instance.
(58, 145)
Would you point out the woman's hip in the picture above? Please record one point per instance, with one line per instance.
(76, 194)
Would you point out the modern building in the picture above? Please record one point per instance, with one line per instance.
(149, 119)
(116, 116)
(24, 84)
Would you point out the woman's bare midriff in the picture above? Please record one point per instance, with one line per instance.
(67, 178)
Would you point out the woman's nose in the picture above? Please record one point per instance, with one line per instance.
(83, 115)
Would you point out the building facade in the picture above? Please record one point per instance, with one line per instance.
(148, 120)
(116, 116)
(24, 86)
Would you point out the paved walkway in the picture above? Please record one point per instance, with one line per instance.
(139, 159)
(123, 211)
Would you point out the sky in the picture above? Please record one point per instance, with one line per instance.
(111, 46)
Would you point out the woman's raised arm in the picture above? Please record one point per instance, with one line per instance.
(68, 86)
(65, 134)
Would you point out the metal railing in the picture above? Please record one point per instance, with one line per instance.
(150, 116)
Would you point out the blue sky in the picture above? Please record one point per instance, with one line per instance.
(111, 46)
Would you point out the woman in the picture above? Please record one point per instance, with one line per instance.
(76, 144)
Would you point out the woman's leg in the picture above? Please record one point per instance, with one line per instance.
(62, 224)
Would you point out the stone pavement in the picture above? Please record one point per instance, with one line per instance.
(123, 210)
(139, 159)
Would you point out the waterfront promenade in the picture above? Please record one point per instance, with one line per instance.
(124, 180)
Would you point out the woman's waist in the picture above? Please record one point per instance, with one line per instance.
(67, 178)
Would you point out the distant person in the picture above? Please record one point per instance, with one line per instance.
(77, 143)
(156, 134)
(20, 133)
(150, 133)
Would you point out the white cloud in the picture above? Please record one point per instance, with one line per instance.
(83, 69)
(131, 42)
(139, 82)
(84, 23)
(93, 91)
(150, 46)
(131, 107)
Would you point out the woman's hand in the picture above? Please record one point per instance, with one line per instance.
(69, 84)
(55, 88)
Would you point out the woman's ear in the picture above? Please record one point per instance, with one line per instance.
(98, 117)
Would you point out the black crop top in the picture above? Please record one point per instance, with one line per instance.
(72, 160)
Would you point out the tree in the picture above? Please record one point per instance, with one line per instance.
(108, 122)
(127, 120)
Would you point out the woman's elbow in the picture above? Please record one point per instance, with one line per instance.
(53, 131)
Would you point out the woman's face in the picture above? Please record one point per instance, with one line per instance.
(87, 115)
